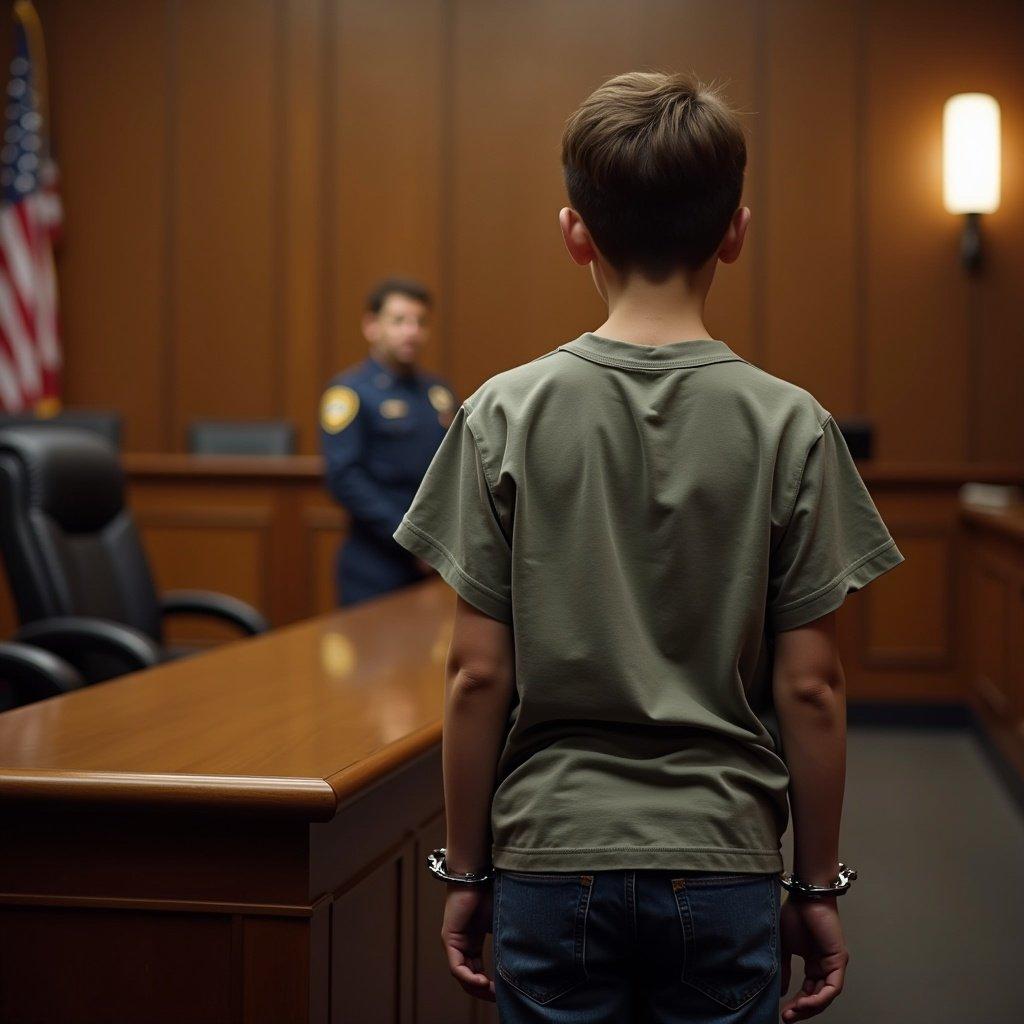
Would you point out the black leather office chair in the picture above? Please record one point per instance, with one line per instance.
(75, 563)
(223, 437)
(106, 424)
(28, 674)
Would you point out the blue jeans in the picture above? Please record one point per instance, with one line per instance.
(636, 947)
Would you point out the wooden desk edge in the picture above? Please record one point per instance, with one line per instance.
(354, 780)
(1009, 522)
(308, 799)
(312, 799)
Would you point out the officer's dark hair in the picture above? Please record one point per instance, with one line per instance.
(397, 286)
(654, 166)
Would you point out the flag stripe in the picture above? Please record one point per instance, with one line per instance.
(21, 343)
(31, 218)
(10, 393)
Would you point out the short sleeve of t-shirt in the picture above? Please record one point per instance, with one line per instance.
(453, 524)
(835, 541)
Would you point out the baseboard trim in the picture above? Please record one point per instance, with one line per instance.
(909, 715)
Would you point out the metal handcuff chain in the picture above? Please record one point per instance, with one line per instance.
(806, 891)
(439, 868)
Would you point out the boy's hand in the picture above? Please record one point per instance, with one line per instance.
(467, 920)
(811, 930)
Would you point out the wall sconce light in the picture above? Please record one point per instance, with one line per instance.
(970, 165)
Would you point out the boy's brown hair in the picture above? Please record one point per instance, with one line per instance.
(654, 165)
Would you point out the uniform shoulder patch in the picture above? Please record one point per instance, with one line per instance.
(338, 408)
(440, 398)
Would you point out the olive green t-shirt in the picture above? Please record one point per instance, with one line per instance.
(646, 519)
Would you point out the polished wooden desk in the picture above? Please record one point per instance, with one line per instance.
(236, 837)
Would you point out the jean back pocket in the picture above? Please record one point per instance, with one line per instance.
(730, 927)
(540, 925)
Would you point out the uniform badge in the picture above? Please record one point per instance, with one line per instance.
(393, 408)
(440, 398)
(338, 408)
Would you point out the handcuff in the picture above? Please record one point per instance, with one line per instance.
(805, 891)
(439, 869)
(436, 862)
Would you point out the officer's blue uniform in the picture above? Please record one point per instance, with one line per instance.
(379, 430)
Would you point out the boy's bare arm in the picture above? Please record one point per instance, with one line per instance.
(479, 683)
(810, 701)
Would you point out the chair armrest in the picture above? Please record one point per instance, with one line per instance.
(33, 674)
(99, 648)
(217, 606)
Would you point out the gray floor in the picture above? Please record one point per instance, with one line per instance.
(935, 922)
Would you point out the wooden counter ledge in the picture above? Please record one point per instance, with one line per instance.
(292, 723)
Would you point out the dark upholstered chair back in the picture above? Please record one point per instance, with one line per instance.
(106, 424)
(219, 437)
(68, 541)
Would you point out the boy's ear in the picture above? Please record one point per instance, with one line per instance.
(578, 242)
(732, 243)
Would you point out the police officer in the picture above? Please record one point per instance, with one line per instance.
(380, 424)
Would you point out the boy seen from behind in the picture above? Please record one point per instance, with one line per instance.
(649, 538)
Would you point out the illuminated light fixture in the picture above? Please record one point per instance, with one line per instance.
(970, 165)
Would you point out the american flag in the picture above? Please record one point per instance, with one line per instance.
(30, 220)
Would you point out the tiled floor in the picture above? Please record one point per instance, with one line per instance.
(935, 922)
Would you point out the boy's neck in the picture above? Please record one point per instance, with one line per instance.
(645, 313)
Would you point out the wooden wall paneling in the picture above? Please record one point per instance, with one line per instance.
(323, 531)
(192, 951)
(366, 945)
(809, 116)
(915, 291)
(227, 253)
(211, 549)
(304, 25)
(519, 70)
(236, 175)
(909, 622)
(722, 40)
(993, 62)
(412, 875)
(989, 590)
(286, 600)
(439, 997)
(900, 634)
(1015, 654)
(993, 603)
(383, 172)
(320, 964)
(214, 538)
(108, 100)
(277, 978)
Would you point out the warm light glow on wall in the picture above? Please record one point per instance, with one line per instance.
(970, 153)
